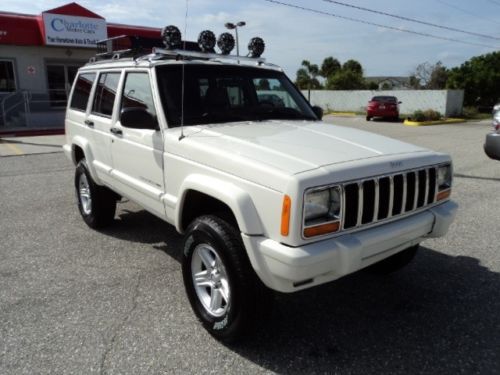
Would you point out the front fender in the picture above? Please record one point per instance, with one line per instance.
(238, 200)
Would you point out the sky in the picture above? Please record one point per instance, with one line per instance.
(292, 35)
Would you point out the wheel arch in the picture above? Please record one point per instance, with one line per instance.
(80, 149)
(201, 192)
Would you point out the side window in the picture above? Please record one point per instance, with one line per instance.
(105, 93)
(81, 92)
(137, 93)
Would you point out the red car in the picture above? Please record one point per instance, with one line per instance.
(383, 106)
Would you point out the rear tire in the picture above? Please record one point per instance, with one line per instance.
(395, 262)
(368, 118)
(97, 204)
(223, 289)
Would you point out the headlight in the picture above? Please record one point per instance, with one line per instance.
(322, 210)
(444, 178)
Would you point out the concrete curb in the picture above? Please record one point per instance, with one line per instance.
(438, 122)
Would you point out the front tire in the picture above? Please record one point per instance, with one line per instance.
(223, 289)
(395, 262)
(97, 204)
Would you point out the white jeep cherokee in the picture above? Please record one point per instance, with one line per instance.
(266, 194)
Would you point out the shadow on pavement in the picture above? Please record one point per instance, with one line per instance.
(440, 314)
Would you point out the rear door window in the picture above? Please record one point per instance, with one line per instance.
(81, 93)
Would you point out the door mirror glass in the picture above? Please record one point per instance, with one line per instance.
(318, 112)
(138, 118)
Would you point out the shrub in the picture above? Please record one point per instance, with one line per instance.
(418, 116)
(427, 115)
(432, 115)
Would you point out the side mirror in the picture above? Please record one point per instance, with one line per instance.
(318, 112)
(138, 118)
(400, 102)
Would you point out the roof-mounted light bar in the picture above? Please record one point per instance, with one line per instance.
(225, 43)
(134, 46)
(172, 37)
(177, 53)
(206, 41)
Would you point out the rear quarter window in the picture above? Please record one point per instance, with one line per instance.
(81, 93)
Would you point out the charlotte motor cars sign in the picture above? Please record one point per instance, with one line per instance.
(71, 31)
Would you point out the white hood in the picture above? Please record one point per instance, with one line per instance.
(290, 147)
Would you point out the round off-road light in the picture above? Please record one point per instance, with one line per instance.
(256, 47)
(225, 43)
(206, 41)
(172, 37)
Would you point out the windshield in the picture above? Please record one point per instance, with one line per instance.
(221, 93)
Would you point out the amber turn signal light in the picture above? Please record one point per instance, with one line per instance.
(321, 229)
(285, 215)
(443, 194)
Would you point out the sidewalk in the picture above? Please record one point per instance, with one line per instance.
(16, 146)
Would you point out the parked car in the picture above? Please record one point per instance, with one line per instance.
(383, 106)
(492, 144)
(268, 198)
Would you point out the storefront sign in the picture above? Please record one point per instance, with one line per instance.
(62, 30)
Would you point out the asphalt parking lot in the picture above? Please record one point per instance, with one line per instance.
(77, 301)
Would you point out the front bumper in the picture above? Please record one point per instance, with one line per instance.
(288, 269)
(492, 146)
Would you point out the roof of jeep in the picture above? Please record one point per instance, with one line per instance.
(150, 61)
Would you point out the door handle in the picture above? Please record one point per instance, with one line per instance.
(116, 131)
(89, 123)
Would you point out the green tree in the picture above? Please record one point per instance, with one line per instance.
(438, 78)
(329, 67)
(346, 79)
(307, 76)
(414, 83)
(353, 66)
(429, 76)
(479, 77)
(386, 86)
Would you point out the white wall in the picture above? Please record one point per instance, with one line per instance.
(446, 102)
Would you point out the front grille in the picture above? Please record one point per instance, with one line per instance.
(380, 198)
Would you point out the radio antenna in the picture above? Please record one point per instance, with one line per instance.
(183, 67)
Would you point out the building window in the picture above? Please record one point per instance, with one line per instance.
(7, 79)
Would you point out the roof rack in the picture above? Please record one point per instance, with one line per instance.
(178, 53)
(131, 46)
(138, 47)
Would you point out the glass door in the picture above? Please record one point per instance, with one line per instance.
(60, 78)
